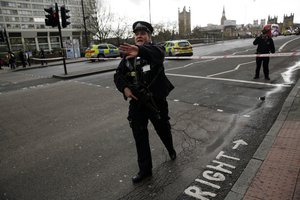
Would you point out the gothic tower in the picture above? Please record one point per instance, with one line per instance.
(184, 20)
(272, 20)
(288, 21)
(223, 16)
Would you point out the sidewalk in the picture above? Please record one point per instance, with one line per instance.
(273, 172)
(71, 72)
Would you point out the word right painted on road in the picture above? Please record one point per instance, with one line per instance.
(214, 174)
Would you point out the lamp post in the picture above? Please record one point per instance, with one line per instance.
(84, 24)
(149, 12)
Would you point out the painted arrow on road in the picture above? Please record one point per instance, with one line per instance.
(238, 143)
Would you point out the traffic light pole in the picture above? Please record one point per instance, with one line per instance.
(84, 24)
(5, 38)
(61, 42)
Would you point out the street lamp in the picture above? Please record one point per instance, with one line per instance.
(149, 12)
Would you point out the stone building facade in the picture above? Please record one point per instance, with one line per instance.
(184, 20)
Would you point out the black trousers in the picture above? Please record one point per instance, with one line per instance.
(265, 62)
(139, 117)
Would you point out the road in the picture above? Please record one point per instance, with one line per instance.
(71, 140)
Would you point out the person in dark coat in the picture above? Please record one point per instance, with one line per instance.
(1, 63)
(27, 58)
(265, 45)
(42, 56)
(140, 77)
(22, 58)
(11, 60)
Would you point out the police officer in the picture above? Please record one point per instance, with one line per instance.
(265, 45)
(140, 77)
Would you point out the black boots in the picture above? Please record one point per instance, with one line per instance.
(141, 176)
(172, 154)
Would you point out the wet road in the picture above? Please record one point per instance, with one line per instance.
(71, 140)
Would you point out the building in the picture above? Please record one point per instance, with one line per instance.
(288, 22)
(223, 18)
(229, 27)
(184, 22)
(272, 20)
(24, 22)
(262, 23)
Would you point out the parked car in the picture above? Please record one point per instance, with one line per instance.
(178, 48)
(287, 32)
(102, 51)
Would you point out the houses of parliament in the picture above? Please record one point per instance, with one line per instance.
(228, 28)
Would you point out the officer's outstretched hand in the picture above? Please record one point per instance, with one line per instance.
(129, 50)
(128, 93)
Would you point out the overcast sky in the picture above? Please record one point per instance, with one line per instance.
(204, 12)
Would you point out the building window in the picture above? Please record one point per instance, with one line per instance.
(38, 13)
(9, 12)
(29, 43)
(7, 4)
(38, 7)
(42, 40)
(55, 46)
(27, 19)
(54, 39)
(13, 26)
(40, 26)
(38, 19)
(75, 26)
(23, 5)
(44, 46)
(49, 1)
(27, 26)
(12, 19)
(25, 12)
(15, 41)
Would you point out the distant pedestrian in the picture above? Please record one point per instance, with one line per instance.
(265, 45)
(27, 58)
(42, 56)
(11, 60)
(22, 58)
(1, 63)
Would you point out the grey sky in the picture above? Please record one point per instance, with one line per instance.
(205, 12)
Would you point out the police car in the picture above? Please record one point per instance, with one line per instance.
(102, 51)
(178, 48)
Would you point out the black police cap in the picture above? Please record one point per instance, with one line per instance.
(141, 25)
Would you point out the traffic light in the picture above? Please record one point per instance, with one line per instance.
(64, 16)
(52, 18)
(1, 36)
(49, 16)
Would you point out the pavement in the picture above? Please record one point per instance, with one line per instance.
(274, 170)
(72, 72)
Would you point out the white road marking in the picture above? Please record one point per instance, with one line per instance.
(187, 65)
(235, 69)
(238, 143)
(230, 80)
(282, 46)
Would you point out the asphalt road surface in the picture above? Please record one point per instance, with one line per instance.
(63, 140)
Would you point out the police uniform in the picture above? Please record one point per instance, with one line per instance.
(146, 73)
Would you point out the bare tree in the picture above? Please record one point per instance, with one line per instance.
(121, 30)
(163, 32)
(99, 20)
